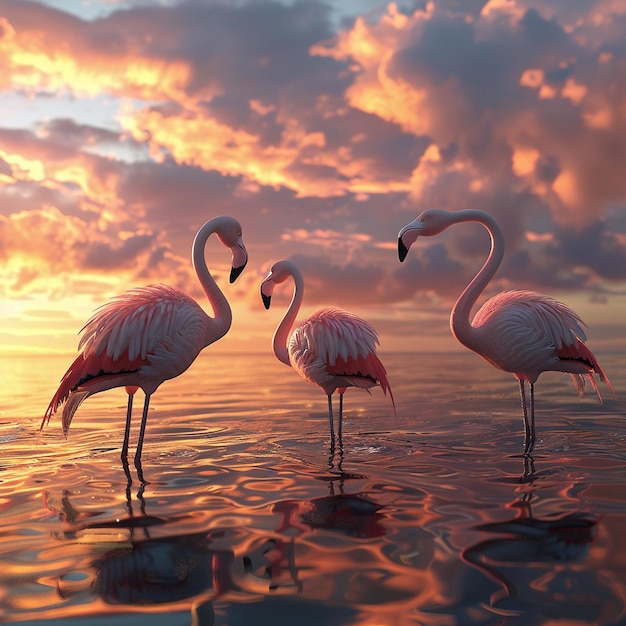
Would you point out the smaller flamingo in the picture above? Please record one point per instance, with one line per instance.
(332, 349)
(521, 332)
(148, 335)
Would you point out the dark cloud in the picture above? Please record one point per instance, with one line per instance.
(66, 132)
(596, 249)
(105, 256)
(343, 285)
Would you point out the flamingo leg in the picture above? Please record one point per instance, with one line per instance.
(142, 431)
(332, 425)
(532, 416)
(529, 424)
(129, 414)
(340, 430)
(529, 468)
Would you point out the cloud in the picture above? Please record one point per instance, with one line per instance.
(322, 136)
(465, 82)
(596, 249)
(46, 251)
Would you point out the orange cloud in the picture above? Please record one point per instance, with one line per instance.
(325, 238)
(300, 160)
(48, 252)
(37, 62)
(567, 123)
(375, 90)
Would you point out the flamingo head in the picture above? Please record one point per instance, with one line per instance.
(430, 222)
(229, 233)
(279, 272)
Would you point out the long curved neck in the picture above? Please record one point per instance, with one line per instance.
(460, 322)
(281, 335)
(221, 309)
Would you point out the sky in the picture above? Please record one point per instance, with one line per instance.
(324, 127)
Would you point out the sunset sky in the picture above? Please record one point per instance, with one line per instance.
(324, 127)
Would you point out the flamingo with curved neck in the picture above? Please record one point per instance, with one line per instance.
(332, 349)
(148, 335)
(522, 332)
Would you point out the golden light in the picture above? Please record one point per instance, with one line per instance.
(23, 168)
(573, 91)
(524, 160)
(532, 78)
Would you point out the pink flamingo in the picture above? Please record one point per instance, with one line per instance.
(148, 335)
(521, 332)
(332, 349)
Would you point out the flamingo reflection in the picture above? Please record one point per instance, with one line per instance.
(156, 571)
(131, 567)
(351, 514)
(526, 539)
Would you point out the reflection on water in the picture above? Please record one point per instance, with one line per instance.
(525, 541)
(244, 512)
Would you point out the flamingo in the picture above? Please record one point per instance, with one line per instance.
(148, 335)
(332, 349)
(522, 332)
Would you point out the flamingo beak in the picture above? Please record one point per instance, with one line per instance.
(406, 237)
(267, 287)
(240, 258)
(402, 250)
(235, 272)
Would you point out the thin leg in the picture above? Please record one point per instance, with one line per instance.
(527, 433)
(129, 414)
(532, 416)
(340, 463)
(142, 431)
(529, 468)
(340, 431)
(129, 483)
(332, 426)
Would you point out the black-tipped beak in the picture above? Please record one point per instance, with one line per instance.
(266, 300)
(235, 272)
(402, 250)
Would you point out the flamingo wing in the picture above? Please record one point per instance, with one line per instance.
(531, 310)
(140, 320)
(339, 334)
(338, 346)
(528, 333)
(150, 333)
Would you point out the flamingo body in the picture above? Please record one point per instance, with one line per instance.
(521, 332)
(527, 333)
(148, 335)
(335, 349)
(332, 348)
(138, 339)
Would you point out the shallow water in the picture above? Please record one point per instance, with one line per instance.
(247, 515)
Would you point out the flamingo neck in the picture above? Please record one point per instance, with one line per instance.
(460, 322)
(221, 309)
(281, 335)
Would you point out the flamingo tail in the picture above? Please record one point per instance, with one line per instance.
(364, 372)
(74, 400)
(580, 353)
(89, 374)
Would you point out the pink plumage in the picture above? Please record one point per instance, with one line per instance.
(148, 335)
(332, 349)
(137, 339)
(521, 332)
(527, 333)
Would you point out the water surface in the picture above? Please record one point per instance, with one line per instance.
(248, 515)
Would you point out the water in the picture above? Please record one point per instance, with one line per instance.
(247, 516)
